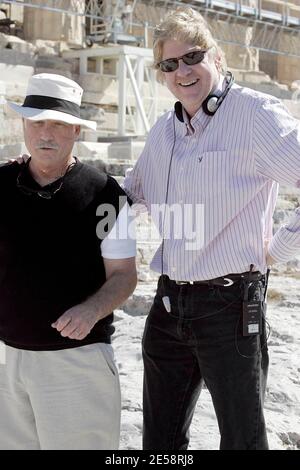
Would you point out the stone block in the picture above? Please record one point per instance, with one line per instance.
(11, 130)
(11, 151)
(7, 41)
(47, 48)
(256, 77)
(16, 79)
(14, 57)
(55, 63)
(51, 25)
(127, 150)
(91, 150)
(91, 112)
(19, 45)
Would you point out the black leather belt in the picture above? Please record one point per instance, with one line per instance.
(223, 281)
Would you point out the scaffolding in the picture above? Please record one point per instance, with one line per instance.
(276, 29)
(133, 68)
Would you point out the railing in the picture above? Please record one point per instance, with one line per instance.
(282, 11)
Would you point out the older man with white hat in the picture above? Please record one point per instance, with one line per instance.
(63, 271)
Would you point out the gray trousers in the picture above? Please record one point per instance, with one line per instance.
(66, 399)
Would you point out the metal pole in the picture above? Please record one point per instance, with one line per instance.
(140, 82)
(83, 61)
(139, 103)
(122, 95)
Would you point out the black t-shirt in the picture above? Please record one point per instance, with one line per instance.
(50, 255)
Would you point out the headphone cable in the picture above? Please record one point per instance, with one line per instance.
(165, 298)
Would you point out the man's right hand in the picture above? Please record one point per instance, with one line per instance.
(269, 260)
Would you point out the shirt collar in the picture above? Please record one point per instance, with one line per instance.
(200, 120)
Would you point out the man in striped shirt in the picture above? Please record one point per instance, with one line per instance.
(216, 162)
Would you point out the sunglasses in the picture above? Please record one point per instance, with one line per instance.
(191, 58)
(44, 194)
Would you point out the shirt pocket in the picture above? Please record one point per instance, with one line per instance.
(214, 171)
(214, 158)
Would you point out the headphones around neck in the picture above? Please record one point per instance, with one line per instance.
(211, 104)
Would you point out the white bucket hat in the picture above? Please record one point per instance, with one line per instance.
(54, 97)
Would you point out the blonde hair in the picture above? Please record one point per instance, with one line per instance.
(184, 25)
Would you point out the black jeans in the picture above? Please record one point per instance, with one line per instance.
(201, 340)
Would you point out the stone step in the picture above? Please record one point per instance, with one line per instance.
(14, 57)
(54, 64)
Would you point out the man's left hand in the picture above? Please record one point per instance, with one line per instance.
(269, 260)
(77, 322)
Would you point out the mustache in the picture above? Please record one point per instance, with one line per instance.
(49, 145)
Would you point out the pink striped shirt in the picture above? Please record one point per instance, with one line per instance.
(230, 163)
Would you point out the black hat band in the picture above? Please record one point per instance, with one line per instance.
(50, 103)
